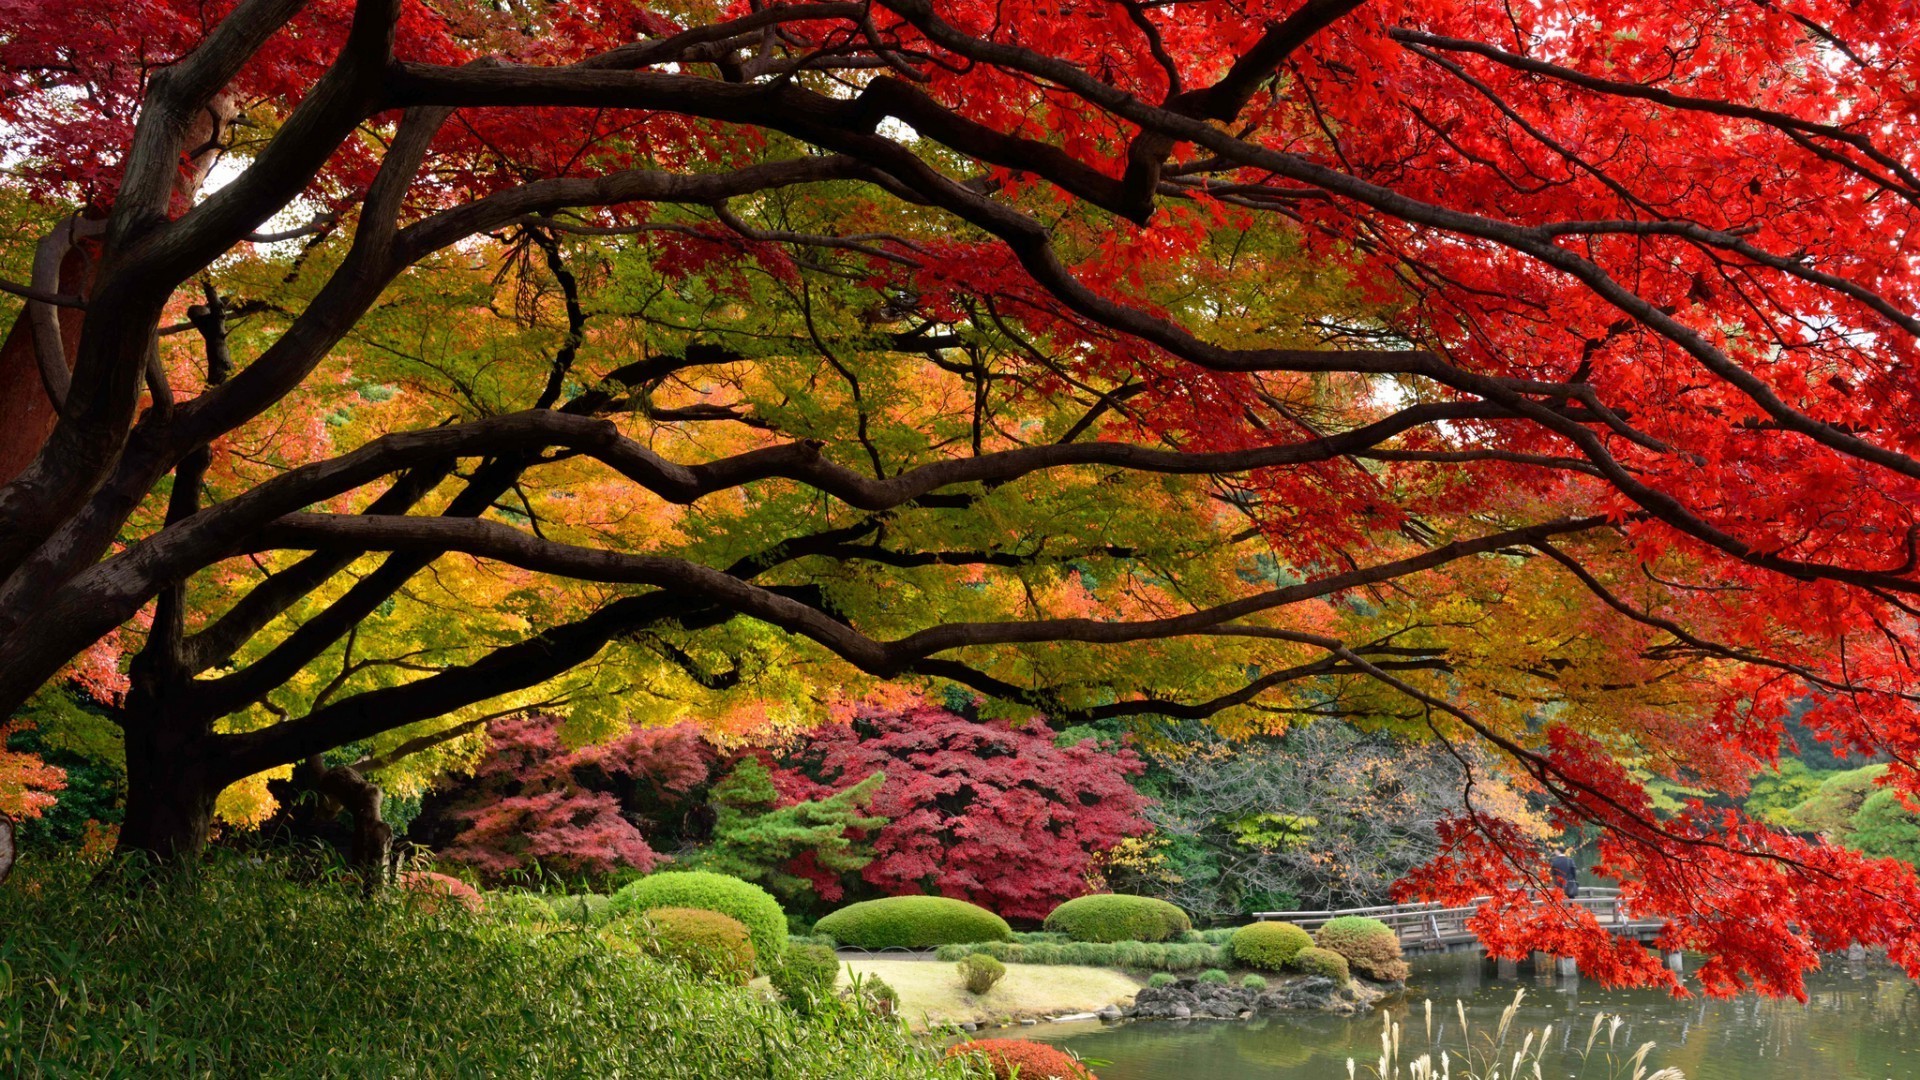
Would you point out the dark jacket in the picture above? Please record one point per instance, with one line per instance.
(1565, 874)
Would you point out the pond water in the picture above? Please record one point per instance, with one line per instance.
(1861, 1022)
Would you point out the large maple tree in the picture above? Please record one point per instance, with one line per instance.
(1548, 365)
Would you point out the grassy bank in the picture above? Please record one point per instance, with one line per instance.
(250, 971)
(931, 993)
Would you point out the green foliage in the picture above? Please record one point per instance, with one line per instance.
(1130, 955)
(581, 909)
(1831, 807)
(754, 838)
(979, 972)
(1213, 977)
(913, 922)
(1115, 917)
(1220, 936)
(706, 943)
(1323, 962)
(742, 900)
(1774, 794)
(1161, 979)
(1040, 937)
(1269, 946)
(1370, 946)
(1253, 982)
(520, 907)
(240, 970)
(1885, 828)
(805, 975)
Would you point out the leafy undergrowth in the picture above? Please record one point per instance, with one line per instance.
(933, 993)
(242, 970)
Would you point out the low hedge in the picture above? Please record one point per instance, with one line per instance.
(707, 943)
(1268, 946)
(913, 922)
(1109, 917)
(1130, 955)
(754, 906)
(1371, 947)
(1314, 960)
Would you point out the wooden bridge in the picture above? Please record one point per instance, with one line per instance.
(1433, 928)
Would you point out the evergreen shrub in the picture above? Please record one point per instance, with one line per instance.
(1371, 947)
(752, 905)
(912, 922)
(1269, 946)
(1323, 962)
(1110, 917)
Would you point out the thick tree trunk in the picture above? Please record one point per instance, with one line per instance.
(169, 799)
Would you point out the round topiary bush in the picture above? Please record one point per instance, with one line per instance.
(707, 943)
(1371, 947)
(805, 975)
(1268, 945)
(1254, 982)
(436, 891)
(1017, 1057)
(1161, 978)
(742, 900)
(979, 972)
(913, 922)
(1117, 917)
(1323, 962)
(1212, 977)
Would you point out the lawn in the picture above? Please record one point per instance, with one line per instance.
(931, 993)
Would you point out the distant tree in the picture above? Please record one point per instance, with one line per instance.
(27, 783)
(981, 810)
(758, 840)
(1326, 816)
(535, 800)
(1832, 806)
(1886, 827)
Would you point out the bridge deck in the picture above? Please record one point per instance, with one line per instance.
(1433, 928)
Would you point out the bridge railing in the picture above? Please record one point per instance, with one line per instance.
(1434, 926)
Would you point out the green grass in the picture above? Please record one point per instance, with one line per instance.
(276, 971)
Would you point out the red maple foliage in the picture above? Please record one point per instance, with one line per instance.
(1649, 263)
(27, 784)
(532, 803)
(1023, 1059)
(984, 811)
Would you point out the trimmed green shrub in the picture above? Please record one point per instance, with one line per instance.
(1371, 947)
(1268, 945)
(707, 943)
(581, 909)
(805, 975)
(242, 970)
(912, 922)
(1160, 978)
(742, 900)
(1253, 982)
(1213, 977)
(1134, 955)
(1110, 917)
(1039, 937)
(979, 973)
(1323, 962)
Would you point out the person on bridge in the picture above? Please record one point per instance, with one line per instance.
(1566, 876)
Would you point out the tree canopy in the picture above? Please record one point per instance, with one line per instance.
(1525, 376)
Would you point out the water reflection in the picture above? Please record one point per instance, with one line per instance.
(1859, 1023)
